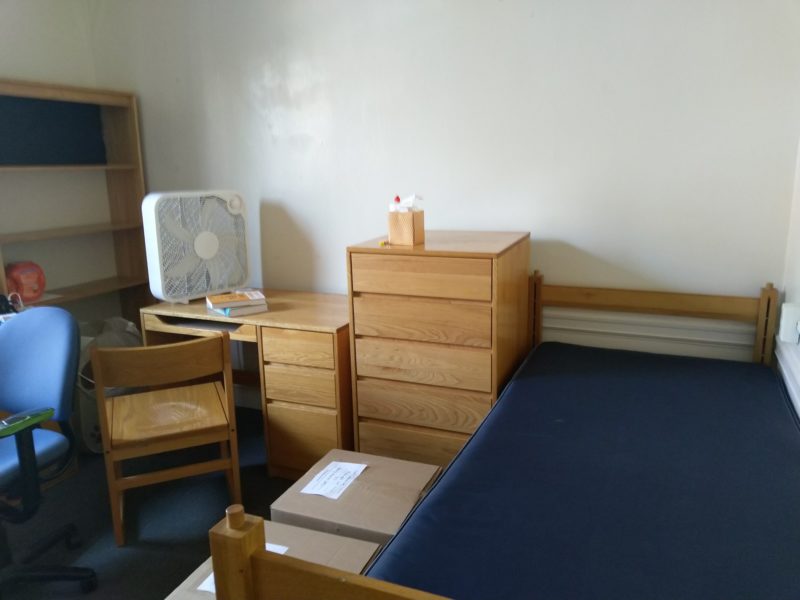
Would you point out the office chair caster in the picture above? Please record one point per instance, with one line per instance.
(89, 585)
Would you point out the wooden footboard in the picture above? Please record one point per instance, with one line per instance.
(244, 570)
(762, 311)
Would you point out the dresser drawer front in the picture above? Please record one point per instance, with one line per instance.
(424, 319)
(433, 276)
(420, 362)
(426, 406)
(409, 443)
(294, 347)
(304, 385)
(299, 436)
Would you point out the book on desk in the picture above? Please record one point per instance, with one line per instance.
(237, 303)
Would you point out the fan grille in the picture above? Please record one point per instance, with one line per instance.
(181, 220)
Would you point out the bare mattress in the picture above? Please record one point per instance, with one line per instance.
(616, 474)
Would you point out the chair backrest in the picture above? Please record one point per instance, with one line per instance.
(150, 366)
(39, 351)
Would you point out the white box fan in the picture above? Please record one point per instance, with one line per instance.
(195, 243)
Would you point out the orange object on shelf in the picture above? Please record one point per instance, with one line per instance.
(25, 278)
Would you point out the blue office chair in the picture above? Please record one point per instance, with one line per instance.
(38, 367)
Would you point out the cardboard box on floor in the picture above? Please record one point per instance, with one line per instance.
(372, 508)
(317, 547)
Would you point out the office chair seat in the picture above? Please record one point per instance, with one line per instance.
(50, 447)
(39, 349)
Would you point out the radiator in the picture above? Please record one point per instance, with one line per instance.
(687, 336)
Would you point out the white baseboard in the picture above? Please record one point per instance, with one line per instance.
(686, 336)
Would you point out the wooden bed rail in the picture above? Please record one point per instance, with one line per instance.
(244, 570)
(761, 311)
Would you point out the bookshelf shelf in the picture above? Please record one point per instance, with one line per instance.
(76, 132)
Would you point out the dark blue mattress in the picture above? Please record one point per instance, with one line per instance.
(614, 474)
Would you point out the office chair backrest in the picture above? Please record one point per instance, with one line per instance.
(39, 361)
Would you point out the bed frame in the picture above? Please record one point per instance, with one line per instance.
(245, 571)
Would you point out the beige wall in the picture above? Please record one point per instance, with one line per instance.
(644, 144)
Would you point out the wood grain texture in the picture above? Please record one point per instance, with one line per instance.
(761, 311)
(450, 317)
(436, 277)
(304, 385)
(147, 416)
(299, 435)
(169, 411)
(477, 244)
(46, 91)
(419, 362)
(306, 348)
(424, 319)
(430, 446)
(125, 188)
(426, 406)
(306, 311)
(159, 365)
(245, 332)
(511, 307)
(289, 578)
(232, 544)
(735, 308)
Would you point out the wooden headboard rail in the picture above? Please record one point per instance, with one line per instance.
(761, 311)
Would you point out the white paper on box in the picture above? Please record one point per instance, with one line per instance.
(334, 479)
(208, 582)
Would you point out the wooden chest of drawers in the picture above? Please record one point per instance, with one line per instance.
(436, 331)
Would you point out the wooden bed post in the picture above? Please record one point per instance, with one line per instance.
(766, 324)
(233, 540)
(535, 283)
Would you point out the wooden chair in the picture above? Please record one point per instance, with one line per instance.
(183, 398)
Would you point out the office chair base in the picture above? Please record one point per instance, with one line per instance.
(86, 577)
(68, 533)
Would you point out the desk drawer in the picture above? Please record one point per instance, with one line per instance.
(426, 406)
(424, 319)
(433, 276)
(427, 446)
(299, 436)
(304, 385)
(294, 347)
(198, 327)
(420, 362)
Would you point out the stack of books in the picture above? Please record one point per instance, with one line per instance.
(237, 303)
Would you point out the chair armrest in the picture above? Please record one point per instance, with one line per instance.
(13, 424)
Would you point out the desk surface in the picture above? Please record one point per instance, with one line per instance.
(287, 310)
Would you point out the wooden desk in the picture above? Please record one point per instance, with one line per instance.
(304, 375)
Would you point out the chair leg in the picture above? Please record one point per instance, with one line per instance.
(232, 474)
(116, 499)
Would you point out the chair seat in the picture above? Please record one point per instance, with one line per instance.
(167, 414)
(48, 445)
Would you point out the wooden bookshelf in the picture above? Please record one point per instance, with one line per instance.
(78, 131)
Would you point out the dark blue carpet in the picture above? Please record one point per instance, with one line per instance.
(167, 525)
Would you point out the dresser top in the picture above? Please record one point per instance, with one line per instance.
(447, 243)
